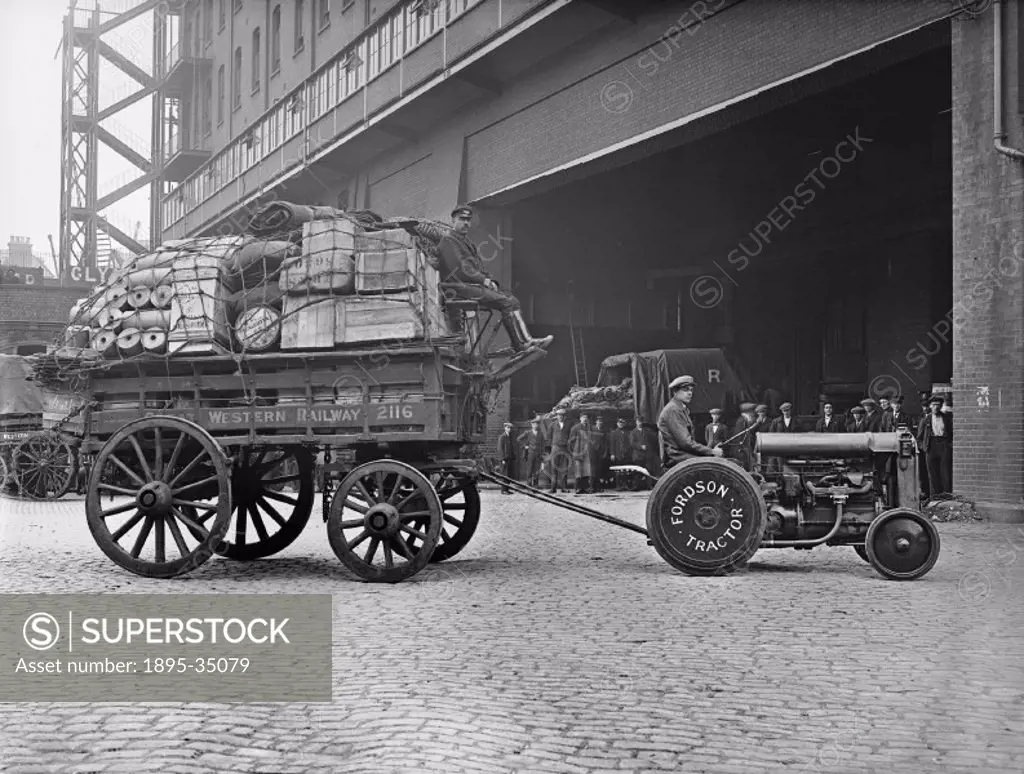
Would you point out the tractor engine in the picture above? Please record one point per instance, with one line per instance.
(829, 487)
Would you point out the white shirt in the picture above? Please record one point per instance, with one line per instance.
(938, 426)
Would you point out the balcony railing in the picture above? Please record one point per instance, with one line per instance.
(343, 77)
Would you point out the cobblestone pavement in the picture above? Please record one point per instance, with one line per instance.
(558, 644)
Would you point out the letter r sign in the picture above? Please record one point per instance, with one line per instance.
(714, 376)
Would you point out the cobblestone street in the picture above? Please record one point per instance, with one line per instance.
(558, 644)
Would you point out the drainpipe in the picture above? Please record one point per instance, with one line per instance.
(997, 96)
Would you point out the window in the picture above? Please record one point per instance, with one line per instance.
(220, 95)
(255, 60)
(236, 81)
(300, 42)
(275, 40)
(325, 13)
(208, 106)
(208, 22)
(220, 14)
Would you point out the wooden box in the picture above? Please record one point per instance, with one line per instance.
(388, 239)
(199, 307)
(394, 316)
(326, 263)
(387, 271)
(307, 322)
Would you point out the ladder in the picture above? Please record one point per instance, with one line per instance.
(576, 334)
(103, 248)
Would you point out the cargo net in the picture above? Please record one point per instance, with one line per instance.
(300, 279)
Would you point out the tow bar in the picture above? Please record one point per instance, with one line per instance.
(550, 499)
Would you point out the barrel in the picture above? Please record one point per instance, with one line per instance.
(828, 445)
(154, 341)
(258, 328)
(105, 342)
(162, 295)
(139, 296)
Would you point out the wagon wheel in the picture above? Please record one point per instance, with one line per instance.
(460, 501)
(902, 544)
(44, 466)
(381, 505)
(5, 474)
(265, 518)
(862, 552)
(173, 475)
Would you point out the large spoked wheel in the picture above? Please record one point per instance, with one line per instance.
(902, 544)
(171, 486)
(5, 475)
(267, 516)
(706, 516)
(378, 509)
(43, 465)
(460, 503)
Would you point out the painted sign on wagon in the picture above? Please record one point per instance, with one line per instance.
(324, 417)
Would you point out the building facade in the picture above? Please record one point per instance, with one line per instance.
(812, 186)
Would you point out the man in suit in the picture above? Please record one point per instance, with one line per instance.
(619, 451)
(638, 454)
(560, 459)
(532, 444)
(828, 422)
(899, 417)
(580, 441)
(742, 448)
(599, 454)
(856, 423)
(715, 433)
(885, 406)
(874, 419)
(935, 432)
(787, 422)
(507, 455)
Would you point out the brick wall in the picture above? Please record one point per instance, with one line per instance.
(988, 277)
(35, 315)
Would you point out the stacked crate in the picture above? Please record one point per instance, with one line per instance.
(314, 280)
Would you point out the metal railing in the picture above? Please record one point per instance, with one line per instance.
(382, 46)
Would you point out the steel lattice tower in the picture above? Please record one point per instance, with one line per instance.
(81, 224)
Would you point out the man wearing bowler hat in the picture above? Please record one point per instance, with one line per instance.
(675, 427)
(463, 275)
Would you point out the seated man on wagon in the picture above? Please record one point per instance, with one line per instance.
(463, 275)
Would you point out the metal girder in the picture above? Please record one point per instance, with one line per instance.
(121, 104)
(137, 11)
(119, 236)
(129, 153)
(123, 191)
(124, 63)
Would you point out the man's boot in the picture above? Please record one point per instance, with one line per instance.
(523, 333)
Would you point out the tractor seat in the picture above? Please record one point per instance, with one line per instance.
(449, 293)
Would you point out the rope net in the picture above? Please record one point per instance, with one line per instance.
(300, 279)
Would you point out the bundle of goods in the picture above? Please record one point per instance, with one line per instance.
(303, 278)
(617, 397)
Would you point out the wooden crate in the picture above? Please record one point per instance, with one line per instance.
(394, 316)
(199, 308)
(387, 271)
(308, 322)
(326, 263)
(388, 239)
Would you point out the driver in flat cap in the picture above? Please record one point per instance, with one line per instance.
(463, 275)
(675, 427)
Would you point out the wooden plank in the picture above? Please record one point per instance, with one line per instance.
(308, 322)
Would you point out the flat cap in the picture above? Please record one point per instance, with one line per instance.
(681, 381)
(715, 411)
(935, 399)
(896, 399)
(761, 408)
(786, 405)
(869, 402)
(858, 410)
(746, 406)
(463, 209)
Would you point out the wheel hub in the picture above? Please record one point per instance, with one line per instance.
(155, 497)
(706, 517)
(382, 520)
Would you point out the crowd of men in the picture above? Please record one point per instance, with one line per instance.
(586, 451)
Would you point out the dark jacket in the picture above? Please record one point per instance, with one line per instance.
(507, 448)
(715, 434)
(638, 445)
(875, 422)
(531, 443)
(559, 438)
(924, 430)
(837, 426)
(779, 425)
(458, 257)
(618, 446)
(742, 449)
(903, 419)
(675, 434)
